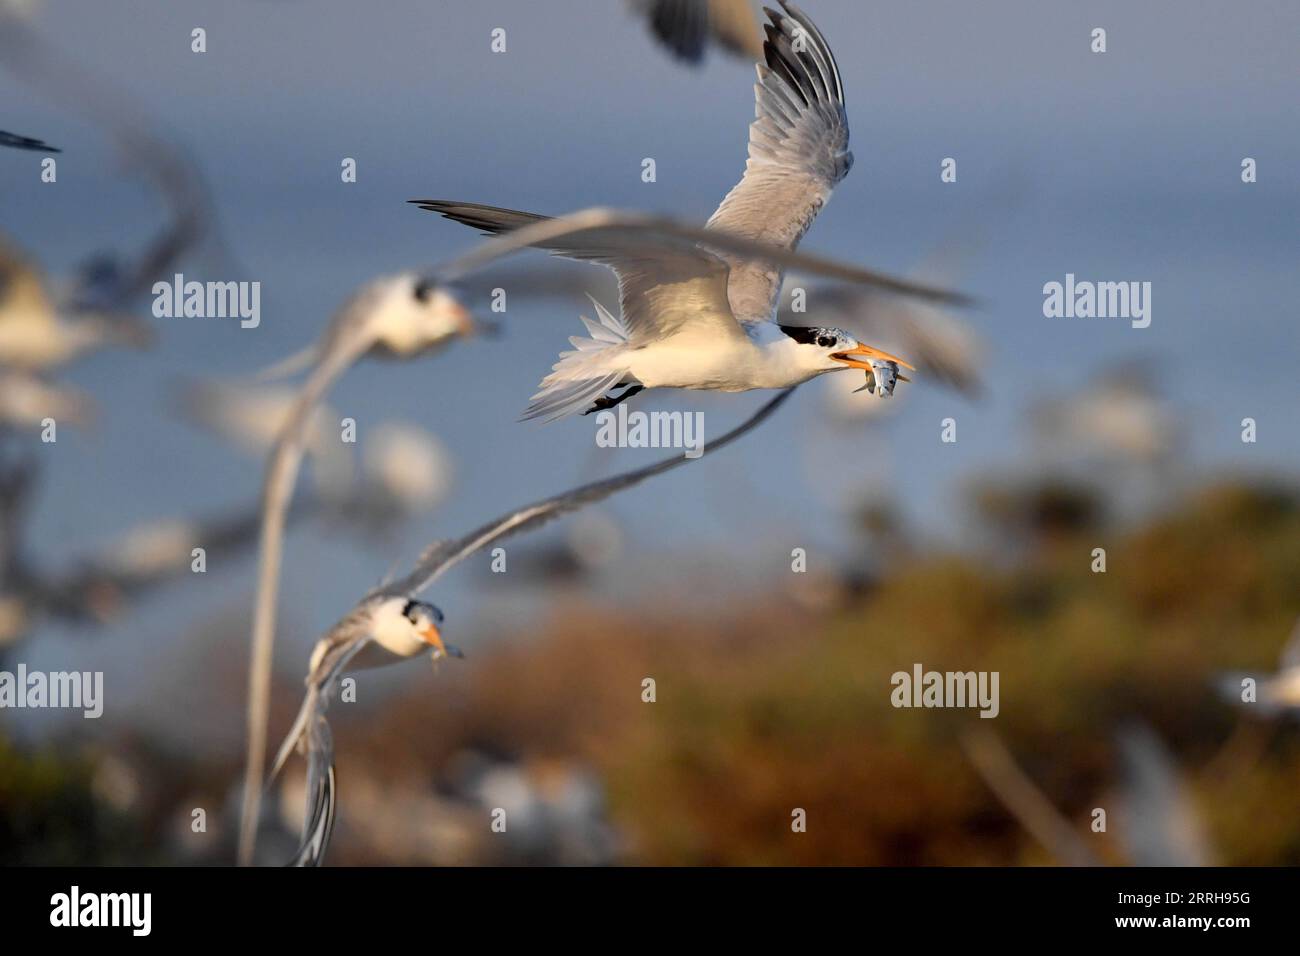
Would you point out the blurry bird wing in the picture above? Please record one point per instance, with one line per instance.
(14, 141)
(938, 344)
(542, 233)
(322, 787)
(444, 555)
(798, 152)
(680, 25)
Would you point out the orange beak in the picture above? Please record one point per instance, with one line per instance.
(432, 638)
(877, 354)
(464, 320)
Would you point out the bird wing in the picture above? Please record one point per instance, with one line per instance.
(443, 555)
(662, 286)
(14, 141)
(798, 151)
(680, 25)
(662, 231)
(329, 660)
(281, 476)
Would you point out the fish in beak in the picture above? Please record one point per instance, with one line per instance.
(866, 351)
(433, 638)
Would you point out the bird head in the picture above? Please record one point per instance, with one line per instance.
(441, 314)
(824, 349)
(426, 621)
(407, 627)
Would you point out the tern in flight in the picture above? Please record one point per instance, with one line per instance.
(399, 315)
(35, 333)
(702, 315)
(389, 624)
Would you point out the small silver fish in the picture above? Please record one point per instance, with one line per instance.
(881, 378)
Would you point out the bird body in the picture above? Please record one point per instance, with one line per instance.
(34, 337)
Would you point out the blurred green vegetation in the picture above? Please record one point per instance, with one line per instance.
(765, 705)
(766, 708)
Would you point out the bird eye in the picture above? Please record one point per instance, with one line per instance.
(423, 289)
(826, 341)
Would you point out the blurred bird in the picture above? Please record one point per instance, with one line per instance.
(113, 281)
(407, 465)
(36, 337)
(594, 540)
(27, 400)
(401, 315)
(688, 27)
(14, 141)
(389, 624)
(252, 417)
(1117, 416)
(1159, 823)
(395, 317)
(703, 318)
(1274, 694)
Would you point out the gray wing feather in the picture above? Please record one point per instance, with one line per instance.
(658, 230)
(798, 151)
(444, 555)
(14, 141)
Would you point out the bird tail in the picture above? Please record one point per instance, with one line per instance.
(583, 374)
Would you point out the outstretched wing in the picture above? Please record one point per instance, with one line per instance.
(663, 231)
(14, 141)
(444, 555)
(662, 285)
(798, 151)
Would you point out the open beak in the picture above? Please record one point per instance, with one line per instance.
(868, 352)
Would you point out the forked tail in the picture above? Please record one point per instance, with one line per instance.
(584, 374)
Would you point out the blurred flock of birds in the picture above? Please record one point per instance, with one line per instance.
(740, 291)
